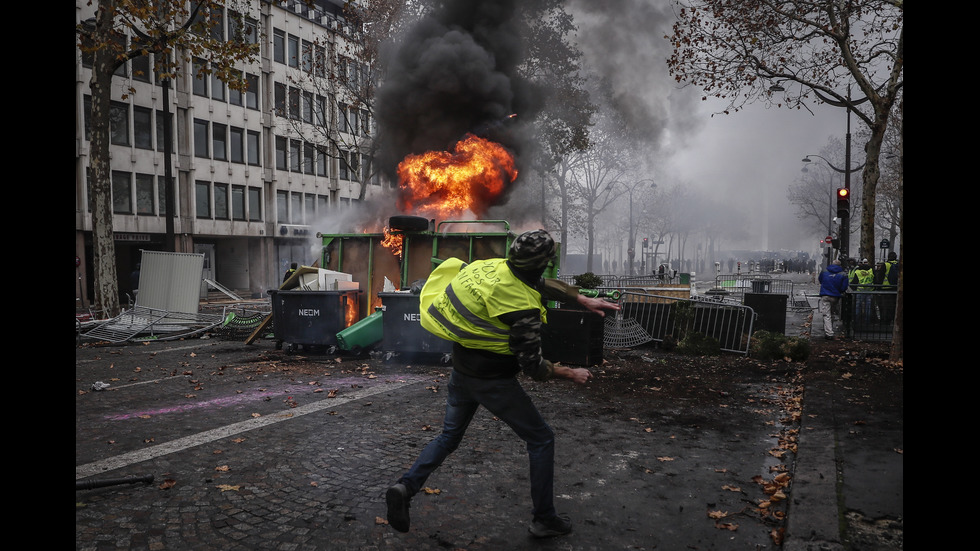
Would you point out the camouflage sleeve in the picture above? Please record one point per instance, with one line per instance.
(525, 343)
(557, 290)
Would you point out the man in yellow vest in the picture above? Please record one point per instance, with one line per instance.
(492, 310)
(863, 279)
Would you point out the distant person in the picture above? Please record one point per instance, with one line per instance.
(863, 280)
(292, 270)
(890, 286)
(891, 271)
(833, 283)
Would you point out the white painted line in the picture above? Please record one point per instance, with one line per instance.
(126, 459)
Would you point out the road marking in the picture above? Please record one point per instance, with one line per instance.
(126, 459)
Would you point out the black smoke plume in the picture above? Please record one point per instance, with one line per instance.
(454, 72)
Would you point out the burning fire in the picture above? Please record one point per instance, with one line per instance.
(350, 314)
(392, 242)
(443, 184)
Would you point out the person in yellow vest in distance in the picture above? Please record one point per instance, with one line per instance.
(292, 270)
(492, 310)
(863, 279)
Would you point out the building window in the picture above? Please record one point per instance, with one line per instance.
(122, 198)
(119, 123)
(145, 195)
(235, 97)
(279, 45)
(162, 194)
(219, 137)
(141, 68)
(221, 201)
(282, 207)
(321, 163)
(320, 111)
(252, 91)
(143, 127)
(160, 130)
(308, 107)
(280, 99)
(200, 87)
(295, 154)
(281, 153)
(294, 103)
(343, 166)
(202, 196)
(308, 158)
(296, 207)
(293, 51)
(201, 142)
(238, 202)
(255, 204)
(254, 148)
(342, 123)
(237, 145)
(322, 203)
(217, 87)
(310, 209)
(307, 57)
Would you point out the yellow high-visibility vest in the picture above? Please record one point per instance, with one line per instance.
(461, 303)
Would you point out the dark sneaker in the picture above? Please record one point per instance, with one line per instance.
(397, 499)
(555, 526)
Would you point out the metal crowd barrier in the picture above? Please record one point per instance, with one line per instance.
(646, 317)
(737, 285)
(868, 314)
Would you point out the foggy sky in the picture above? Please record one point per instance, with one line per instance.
(746, 159)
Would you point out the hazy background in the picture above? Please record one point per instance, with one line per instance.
(747, 159)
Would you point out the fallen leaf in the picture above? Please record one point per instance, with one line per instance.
(226, 487)
(717, 514)
(726, 526)
(379, 520)
(332, 393)
(223, 468)
(238, 440)
(429, 490)
(731, 488)
(167, 484)
(256, 415)
(314, 484)
(665, 459)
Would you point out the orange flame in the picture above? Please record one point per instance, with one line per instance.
(392, 241)
(350, 315)
(442, 184)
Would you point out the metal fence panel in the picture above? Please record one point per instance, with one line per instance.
(647, 317)
(869, 314)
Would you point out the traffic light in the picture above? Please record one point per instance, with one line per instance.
(843, 202)
(645, 240)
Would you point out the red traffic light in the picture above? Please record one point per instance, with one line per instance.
(843, 193)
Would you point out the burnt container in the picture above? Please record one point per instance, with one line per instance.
(311, 319)
(573, 337)
(403, 331)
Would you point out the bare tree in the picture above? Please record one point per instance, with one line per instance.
(173, 31)
(746, 51)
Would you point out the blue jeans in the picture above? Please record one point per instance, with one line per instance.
(506, 399)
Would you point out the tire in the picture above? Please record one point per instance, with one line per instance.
(408, 223)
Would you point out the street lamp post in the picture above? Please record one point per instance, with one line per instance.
(848, 104)
(630, 250)
(845, 220)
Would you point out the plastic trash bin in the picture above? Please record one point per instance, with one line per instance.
(311, 319)
(403, 331)
(362, 335)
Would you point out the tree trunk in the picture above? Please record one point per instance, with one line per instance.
(100, 183)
